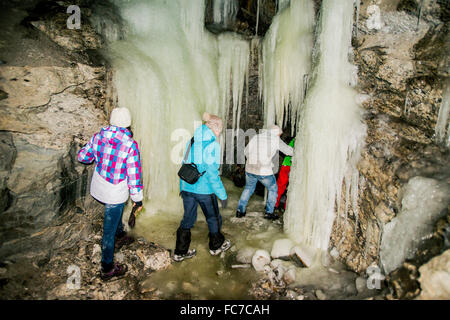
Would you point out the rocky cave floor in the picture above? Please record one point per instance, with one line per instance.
(51, 273)
(39, 271)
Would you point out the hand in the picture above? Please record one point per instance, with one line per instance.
(224, 203)
(139, 205)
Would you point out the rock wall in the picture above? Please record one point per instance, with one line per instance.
(403, 63)
(53, 94)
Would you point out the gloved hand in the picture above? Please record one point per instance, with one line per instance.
(138, 205)
(224, 203)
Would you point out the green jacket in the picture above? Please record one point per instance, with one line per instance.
(287, 160)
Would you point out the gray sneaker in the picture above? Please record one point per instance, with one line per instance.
(224, 247)
(187, 255)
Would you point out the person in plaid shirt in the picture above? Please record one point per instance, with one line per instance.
(117, 175)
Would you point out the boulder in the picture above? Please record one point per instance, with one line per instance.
(245, 255)
(281, 249)
(435, 278)
(303, 255)
(260, 259)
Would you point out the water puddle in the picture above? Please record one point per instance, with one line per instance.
(206, 276)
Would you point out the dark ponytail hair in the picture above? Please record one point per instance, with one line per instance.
(129, 129)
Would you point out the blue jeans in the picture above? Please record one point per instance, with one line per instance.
(250, 184)
(112, 226)
(210, 208)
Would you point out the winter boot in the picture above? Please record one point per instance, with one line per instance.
(217, 243)
(116, 271)
(180, 257)
(270, 216)
(182, 245)
(240, 214)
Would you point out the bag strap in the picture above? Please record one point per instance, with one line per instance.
(187, 154)
(188, 150)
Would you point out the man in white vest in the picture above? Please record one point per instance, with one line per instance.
(260, 152)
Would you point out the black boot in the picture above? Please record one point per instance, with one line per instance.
(270, 216)
(182, 246)
(240, 214)
(215, 240)
(183, 241)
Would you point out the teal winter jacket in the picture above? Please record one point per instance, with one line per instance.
(205, 153)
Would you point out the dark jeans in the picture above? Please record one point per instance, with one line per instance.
(210, 208)
(112, 226)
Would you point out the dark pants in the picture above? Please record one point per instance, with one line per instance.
(210, 208)
(112, 226)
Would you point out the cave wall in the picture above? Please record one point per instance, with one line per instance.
(403, 63)
(52, 99)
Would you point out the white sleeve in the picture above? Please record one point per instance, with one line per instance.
(286, 149)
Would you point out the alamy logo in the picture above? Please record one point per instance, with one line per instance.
(74, 280)
(375, 277)
(74, 21)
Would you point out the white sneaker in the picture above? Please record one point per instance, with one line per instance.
(187, 255)
(224, 247)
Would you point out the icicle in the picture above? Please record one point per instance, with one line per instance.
(420, 14)
(257, 18)
(233, 62)
(286, 58)
(224, 11)
(282, 4)
(358, 7)
(444, 112)
(330, 135)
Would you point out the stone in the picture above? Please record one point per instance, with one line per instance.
(303, 255)
(158, 260)
(320, 295)
(245, 255)
(361, 284)
(241, 266)
(290, 276)
(435, 278)
(291, 294)
(281, 248)
(260, 259)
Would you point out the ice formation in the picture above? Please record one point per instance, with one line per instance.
(168, 70)
(330, 135)
(442, 124)
(225, 11)
(286, 59)
(423, 203)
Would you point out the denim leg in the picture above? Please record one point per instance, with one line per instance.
(120, 231)
(113, 216)
(210, 208)
(271, 184)
(190, 205)
(250, 185)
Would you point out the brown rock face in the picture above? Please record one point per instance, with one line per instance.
(49, 107)
(403, 65)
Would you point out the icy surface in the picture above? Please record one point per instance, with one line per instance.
(423, 202)
(330, 136)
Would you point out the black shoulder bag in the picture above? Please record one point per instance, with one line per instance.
(188, 171)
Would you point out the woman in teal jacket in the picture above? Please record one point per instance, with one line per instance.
(205, 153)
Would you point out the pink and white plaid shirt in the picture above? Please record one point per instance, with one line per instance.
(116, 155)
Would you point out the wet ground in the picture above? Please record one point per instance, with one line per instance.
(206, 276)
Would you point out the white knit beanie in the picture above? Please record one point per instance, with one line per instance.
(120, 117)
